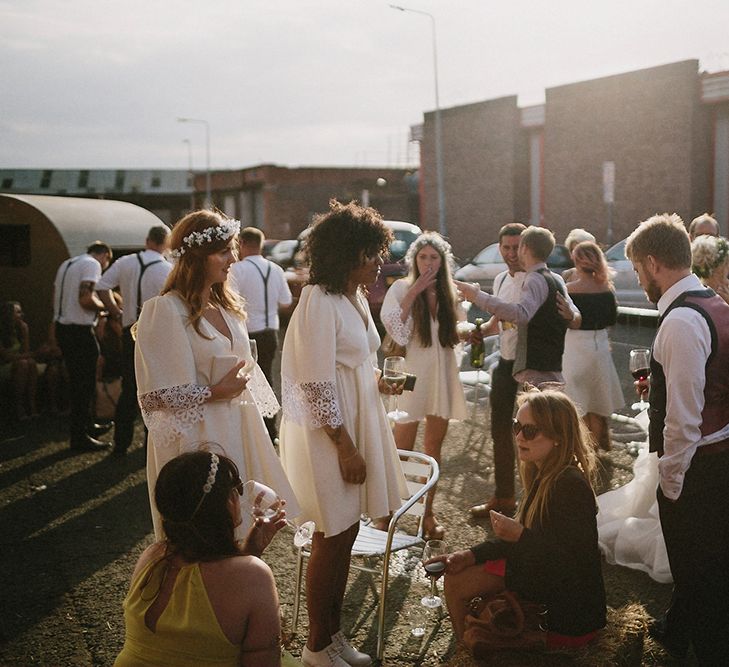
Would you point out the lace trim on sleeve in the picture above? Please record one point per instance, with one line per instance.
(311, 404)
(262, 393)
(400, 331)
(170, 413)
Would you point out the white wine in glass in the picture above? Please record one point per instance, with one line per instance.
(394, 375)
(640, 361)
(249, 366)
(264, 502)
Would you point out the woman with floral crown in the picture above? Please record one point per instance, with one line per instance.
(710, 262)
(192, 346)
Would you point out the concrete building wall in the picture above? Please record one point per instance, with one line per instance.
(651, 124)
(479, 156)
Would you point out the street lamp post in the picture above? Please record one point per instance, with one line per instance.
(190, 175)
(438, 136)
(208, 198)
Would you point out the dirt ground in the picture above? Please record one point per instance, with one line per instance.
(72, 526)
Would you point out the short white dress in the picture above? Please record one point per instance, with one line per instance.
(175, 367)
(438, 390)
(591, 380)
(328, 379)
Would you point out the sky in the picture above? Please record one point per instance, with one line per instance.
(100, 83)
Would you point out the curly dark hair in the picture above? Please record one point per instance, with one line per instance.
(198, 525)
(340, 239)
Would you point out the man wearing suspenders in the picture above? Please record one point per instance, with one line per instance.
(263, 285)
(139, 277)
(75, 309)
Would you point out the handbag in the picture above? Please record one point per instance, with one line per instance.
(501, 622)
(107, 396)
(390, 348)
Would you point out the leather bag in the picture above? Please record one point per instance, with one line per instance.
(504, 622)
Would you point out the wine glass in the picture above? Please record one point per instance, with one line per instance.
(249, 366)
(432, 549)
(264, 502)
(393, 373)
(640, 369)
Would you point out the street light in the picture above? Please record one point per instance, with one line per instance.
(438, 144)
(208, 199)
(190, 175)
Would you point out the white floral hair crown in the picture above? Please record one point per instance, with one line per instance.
(221, 232)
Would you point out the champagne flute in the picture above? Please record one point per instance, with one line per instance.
(264, 502)
(640, 369)
(393, 373)
(432, 549)
(249, 366)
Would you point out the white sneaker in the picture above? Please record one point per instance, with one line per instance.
(351, 656)
(328, 657)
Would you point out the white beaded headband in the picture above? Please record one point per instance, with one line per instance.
(210, 481)
(221, 232)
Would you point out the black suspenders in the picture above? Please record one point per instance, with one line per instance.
(63, 282)
(142, 268)
(265, 285)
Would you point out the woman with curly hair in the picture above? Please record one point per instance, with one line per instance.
(710, 262)
(548, 554)
(201, 597)
(591, 380)
(420, 312)
(336, 443)
(192, 344)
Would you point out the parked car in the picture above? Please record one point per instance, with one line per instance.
(283, 253)
(268, 246)
(627, 288)
(394, 267)
(487, 264)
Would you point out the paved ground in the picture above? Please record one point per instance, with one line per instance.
(72, 526)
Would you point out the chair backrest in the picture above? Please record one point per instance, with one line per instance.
(421, 474)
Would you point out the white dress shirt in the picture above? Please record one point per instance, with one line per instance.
(682, 346)
(124, 274)
(246, 278)
(66, 307)
(508, 288)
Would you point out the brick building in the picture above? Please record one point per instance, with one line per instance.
(281, 200)
(665, 130)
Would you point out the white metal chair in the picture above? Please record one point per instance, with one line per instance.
(421, 472)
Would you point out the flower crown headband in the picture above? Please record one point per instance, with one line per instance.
(209, 482)
(722, 250)
(221, 232)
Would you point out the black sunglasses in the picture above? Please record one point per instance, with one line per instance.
(529, 431)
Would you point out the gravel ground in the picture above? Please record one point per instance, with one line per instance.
(73, 525)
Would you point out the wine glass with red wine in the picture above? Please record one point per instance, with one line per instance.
(432, 549)
(640, 369)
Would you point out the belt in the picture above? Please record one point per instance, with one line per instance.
(713, 448)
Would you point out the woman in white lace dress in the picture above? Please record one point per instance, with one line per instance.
(420, 312)
(191, 345)
(336, 443)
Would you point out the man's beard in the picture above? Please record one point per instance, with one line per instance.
(653, 292)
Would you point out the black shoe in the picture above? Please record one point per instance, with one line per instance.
(676, 647)
(88, 444)
(95, 430)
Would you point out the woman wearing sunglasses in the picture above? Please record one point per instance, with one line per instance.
(549, 553)
(200, 597)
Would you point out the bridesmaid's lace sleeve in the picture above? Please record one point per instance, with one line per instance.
(311, 404)
(262, 393)
(170, 413)
(399, 330)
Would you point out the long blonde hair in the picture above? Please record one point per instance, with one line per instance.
(187, 277)
(444, 293)
(557, 419)
(588, 257)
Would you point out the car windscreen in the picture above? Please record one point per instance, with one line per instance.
(401, 243)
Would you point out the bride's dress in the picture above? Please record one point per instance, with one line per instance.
(629, 529)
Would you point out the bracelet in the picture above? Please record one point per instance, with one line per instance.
(351, 456)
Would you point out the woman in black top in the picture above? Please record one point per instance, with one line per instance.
(550, 550)
(591, 380)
